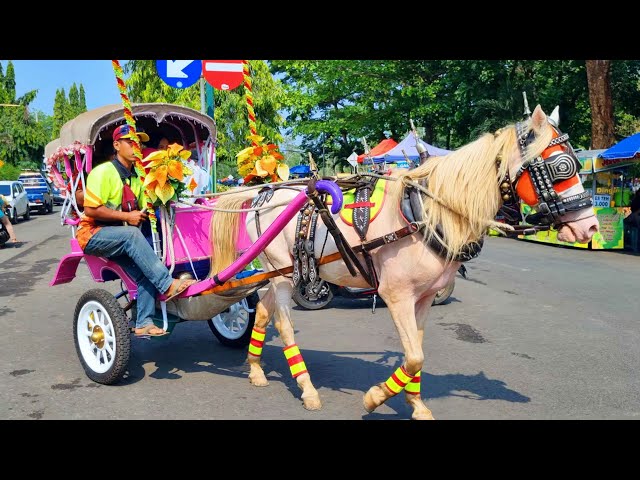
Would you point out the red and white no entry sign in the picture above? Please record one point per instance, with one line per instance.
(223, 74)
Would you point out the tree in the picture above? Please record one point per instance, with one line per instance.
(230, 112)
(60, 108)
(21, 138)
(599, 82)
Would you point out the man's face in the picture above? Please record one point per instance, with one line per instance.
(124, 147)
(163, 144)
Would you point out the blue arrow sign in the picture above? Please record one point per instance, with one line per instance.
(179, 73)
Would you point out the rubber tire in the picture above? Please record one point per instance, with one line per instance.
(121, 334)
(444, 294)
(243, 340)
(300, 300)
(27, 215)
(50, 207)
(14, 216)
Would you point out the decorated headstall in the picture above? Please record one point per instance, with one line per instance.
(540, 181)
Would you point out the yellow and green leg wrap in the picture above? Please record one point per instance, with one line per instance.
(295, 360)
(413, 387)
(399, 380)
(257, 341)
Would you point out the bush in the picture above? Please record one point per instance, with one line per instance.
(9, 172)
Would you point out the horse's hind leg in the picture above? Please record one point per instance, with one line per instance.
(284, 324)
(264, 311)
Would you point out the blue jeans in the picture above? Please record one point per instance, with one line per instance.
(128, 247)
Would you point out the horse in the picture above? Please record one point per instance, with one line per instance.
(459, 197)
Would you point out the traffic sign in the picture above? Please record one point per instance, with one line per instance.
(223, 74)
(179, 73)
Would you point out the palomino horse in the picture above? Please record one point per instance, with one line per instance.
(460, 195)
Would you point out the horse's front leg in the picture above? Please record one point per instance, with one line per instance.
(403, 314)
(264, 311)
(284, 324)
(412, 390)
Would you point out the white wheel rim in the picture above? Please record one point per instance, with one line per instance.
(96, 337)
(234, 323)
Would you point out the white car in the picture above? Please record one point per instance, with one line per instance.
(14, 192)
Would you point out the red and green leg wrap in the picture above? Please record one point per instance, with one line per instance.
(398, 380)
(295, 360)
(257, 341)
(413, 387)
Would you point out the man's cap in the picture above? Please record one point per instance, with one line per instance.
(126, 131)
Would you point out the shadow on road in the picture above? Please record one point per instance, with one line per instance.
(336, 370)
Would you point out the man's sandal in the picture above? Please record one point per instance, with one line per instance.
(146, 331)
(181, 286)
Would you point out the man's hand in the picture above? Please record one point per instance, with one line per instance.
(136, 217)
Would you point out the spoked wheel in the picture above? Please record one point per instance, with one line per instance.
(444, 293)
(233, 326)
(101, 334)
(303, 298)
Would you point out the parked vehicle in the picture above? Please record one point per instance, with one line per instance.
(18, 202)
(38, 191)
(326, 291)
(58, 195)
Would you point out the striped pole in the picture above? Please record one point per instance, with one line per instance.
(128, 117)
(249, 98)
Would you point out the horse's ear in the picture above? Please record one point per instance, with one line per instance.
(538, 118)
(555, 116)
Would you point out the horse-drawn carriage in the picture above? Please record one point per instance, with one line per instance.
(101, 322)
(429, 221)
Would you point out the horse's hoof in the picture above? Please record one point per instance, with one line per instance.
(258, 382)
(368, 403)
(312, 403)
(422, 416)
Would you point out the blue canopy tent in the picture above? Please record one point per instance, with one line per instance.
(408, 144)
(627, 148)
(300, 170)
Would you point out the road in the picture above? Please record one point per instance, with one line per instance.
(536, 332)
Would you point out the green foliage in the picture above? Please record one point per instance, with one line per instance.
(9, 172)
(332, 104)
(230, 107)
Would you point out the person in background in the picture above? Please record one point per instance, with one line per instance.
(7, 223)
(108, 228)
(163, 143)
(633, 219)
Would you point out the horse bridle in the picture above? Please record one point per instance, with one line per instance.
(544, 175)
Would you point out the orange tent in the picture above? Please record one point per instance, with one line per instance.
(383, 147)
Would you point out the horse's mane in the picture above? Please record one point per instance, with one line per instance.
(467, 182)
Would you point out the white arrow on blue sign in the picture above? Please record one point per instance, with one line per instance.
(179, 73)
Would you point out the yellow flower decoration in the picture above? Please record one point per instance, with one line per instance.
(263, 161)
(165, 171)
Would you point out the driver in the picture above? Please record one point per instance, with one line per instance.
(109, 229)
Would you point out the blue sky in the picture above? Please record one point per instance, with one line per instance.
(47, 76)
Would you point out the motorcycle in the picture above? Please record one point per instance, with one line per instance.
(315, 299)
(4, 234)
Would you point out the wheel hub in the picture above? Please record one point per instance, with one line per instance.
(97, 336)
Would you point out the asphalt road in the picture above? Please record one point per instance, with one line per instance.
(536, 332)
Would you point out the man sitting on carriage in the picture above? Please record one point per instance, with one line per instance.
(108, 228)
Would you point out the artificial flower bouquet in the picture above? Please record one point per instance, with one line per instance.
(262, 163)
(164, 174)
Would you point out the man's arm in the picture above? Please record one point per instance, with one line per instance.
(105, 214)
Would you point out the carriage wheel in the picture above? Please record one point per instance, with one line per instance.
(444, 293)
(323, 299)
(101, 334)
(233, 326)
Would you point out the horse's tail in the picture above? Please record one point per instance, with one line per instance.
(224, 229)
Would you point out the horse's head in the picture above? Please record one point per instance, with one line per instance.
(543, 173)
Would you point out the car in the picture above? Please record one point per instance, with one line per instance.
(38, 191)
(18, 202)
(58, 195)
